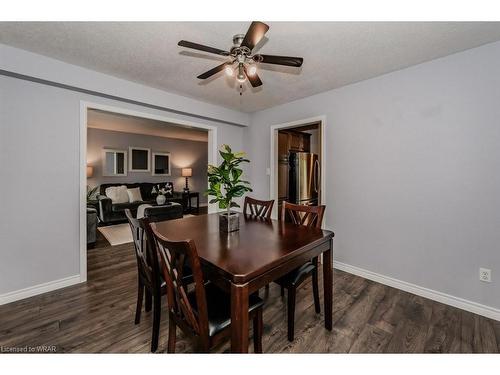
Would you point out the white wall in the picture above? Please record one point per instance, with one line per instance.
(413, 174)
(31, 64)
(39, 156)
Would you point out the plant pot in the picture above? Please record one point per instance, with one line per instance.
(229, 224)
(160, 199)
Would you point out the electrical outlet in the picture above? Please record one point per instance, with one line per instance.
(485, 275)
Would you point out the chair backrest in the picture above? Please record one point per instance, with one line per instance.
(173, 257)
(147, 261)
(258, 207)
(310, 216)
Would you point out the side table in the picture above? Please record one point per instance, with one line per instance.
(187, 198)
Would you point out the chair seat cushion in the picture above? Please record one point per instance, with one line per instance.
(295, 277)
(219, 307)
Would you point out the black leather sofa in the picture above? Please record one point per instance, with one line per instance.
(110, 213)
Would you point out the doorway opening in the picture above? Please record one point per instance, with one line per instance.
(297, 163)
(127, 157)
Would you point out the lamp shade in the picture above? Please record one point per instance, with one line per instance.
(187, 172)
(90, 171)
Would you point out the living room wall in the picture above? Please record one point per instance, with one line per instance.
(183, 154)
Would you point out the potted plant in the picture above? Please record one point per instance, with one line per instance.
(91, 193)
(225, 184)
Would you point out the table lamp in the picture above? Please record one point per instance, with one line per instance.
(90, 171)
(187, 172)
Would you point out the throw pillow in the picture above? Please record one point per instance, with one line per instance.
(118, 194)
(134, 195)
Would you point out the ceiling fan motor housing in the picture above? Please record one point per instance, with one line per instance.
(238, 39)
(238, 50)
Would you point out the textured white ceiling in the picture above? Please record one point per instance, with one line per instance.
(130, 124)
(335, 53)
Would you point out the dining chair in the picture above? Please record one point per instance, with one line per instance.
(203, 313)
(150, 281)
(259, 208)
(310, 216)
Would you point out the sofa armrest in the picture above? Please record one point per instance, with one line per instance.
(105, 207)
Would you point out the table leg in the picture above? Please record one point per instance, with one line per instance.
(328, 287)
(239, 318)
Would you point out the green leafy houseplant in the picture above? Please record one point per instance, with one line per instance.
(225, 182)
(91, 192)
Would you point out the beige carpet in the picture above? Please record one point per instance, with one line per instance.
(120, 233)
(117, 234)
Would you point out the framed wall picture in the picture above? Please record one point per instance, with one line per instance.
(161, 163)
(114, 162)
(139, 159)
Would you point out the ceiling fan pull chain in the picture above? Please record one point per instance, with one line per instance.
(241, 90)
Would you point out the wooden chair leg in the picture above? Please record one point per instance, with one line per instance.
(203, 346)
(266, 292)
(291, 313)
(172, 327)
(156, 322)
(317, 307)
(257, 331)
(149, 300)
(140, 297)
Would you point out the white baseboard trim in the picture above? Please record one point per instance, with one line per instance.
(474, 307)
(38, 289)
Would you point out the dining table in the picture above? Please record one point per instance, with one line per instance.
(246, 260)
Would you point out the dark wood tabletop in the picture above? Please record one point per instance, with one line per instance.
(257, 247)
(261, 251)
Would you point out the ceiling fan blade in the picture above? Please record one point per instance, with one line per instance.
(279, 60)
(253, 79)
(254, 34)
(201, 47)
(211, 72)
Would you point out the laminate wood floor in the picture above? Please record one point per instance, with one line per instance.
(98, 316)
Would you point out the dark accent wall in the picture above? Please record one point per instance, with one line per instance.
(183, 154)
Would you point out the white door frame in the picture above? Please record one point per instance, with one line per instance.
(84, 106)
(273, 181)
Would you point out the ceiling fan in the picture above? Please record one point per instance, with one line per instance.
(241, 61)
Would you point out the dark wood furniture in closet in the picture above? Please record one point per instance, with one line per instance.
(291, 140)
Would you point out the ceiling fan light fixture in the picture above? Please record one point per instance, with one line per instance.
(229, 70)
(241, 74)
(252, 70)
(240, 78)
